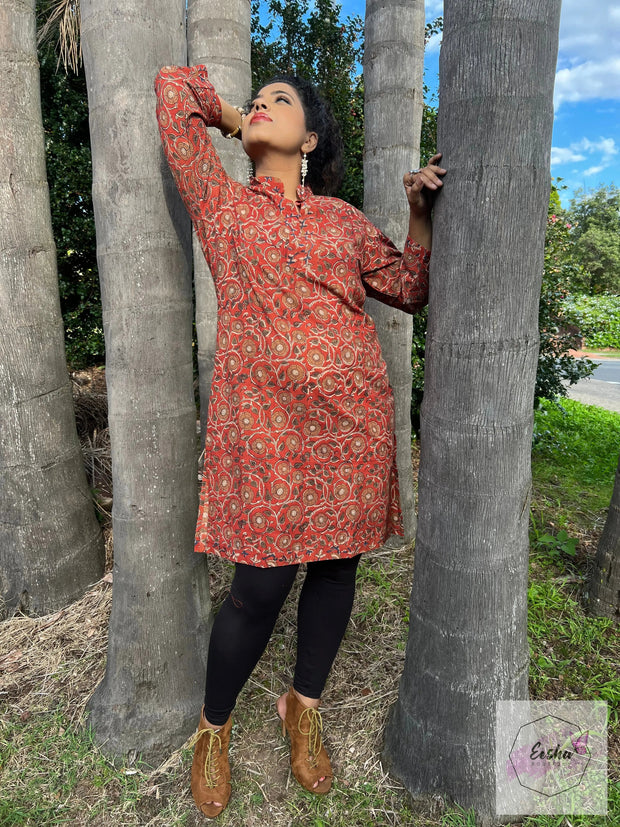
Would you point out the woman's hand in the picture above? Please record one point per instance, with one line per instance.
(421, 186)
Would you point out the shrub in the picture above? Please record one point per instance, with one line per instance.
(598, 318)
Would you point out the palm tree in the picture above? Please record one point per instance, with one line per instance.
(154, 681)
(218, 35)
(50, 543)
(393, 71)
(605, 578)
(467, 646)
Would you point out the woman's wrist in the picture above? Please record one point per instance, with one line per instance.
(232, 120)
(421, 227)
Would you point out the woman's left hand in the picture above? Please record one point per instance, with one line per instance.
(421, 185)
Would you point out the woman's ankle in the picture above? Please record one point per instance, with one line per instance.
(306, 701)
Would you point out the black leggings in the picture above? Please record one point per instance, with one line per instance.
(244, 624)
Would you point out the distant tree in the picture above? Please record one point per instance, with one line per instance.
(50, 543)
(558, 336)
(604, 589)
(596, 218)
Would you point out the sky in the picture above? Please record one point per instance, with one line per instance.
(585, 149)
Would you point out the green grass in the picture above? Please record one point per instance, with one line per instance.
(582, 442)
(62, 765)
(573, 655)
(609, 353)
(574, 460)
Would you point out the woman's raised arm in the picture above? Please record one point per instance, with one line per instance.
(186, 105)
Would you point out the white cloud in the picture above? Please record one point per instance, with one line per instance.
(606, 146)
(604, 150)
(434, 43)
(565, 155)
(588, 80)
(589, 42)
(589, 30)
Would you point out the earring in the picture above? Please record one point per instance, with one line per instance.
(304, 169)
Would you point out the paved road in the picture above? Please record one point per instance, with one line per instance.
(608, 371)
(602, 388)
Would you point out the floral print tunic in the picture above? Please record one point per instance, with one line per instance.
(300, 461)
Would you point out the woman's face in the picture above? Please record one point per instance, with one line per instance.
(276, 121)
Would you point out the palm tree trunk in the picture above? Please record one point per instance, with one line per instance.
(393, 72)
(218, 36)
(468, 647)
(153, 687)
(50, 543)
(605, 578)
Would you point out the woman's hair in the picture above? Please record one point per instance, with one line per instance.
(326, 161)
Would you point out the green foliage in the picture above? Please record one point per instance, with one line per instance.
(596, 218)
(418, 353)
(428, 136)
(67, 144)
(598, 318)
(310, 39)
(552, 546)
(558, 333)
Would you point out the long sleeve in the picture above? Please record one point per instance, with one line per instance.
(186, 105)
(394, 278)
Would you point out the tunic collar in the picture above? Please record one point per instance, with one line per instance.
(274, 188)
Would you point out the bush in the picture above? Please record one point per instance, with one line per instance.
(67, 147)
(558, 334)
(598, 318)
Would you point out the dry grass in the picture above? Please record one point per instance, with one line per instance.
(55, 658)
(49, 667)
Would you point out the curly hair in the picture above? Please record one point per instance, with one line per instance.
(326, 161)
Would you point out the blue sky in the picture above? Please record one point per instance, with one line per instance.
(586, 137)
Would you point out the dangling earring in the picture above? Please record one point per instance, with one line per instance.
(304, 169)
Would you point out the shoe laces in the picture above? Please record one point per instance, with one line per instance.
(214, 749)
(314, 731)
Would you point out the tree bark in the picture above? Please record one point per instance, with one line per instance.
(467, 646)
(218, 36)
(50, 543)
(604, 591)
(151, 695)
(393, 73)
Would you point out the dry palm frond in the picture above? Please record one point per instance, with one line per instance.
(62, 26)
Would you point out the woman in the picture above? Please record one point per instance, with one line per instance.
(300, 449)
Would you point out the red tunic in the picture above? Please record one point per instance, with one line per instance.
(300, 449)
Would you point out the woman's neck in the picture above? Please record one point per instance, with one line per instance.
(283, 169)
